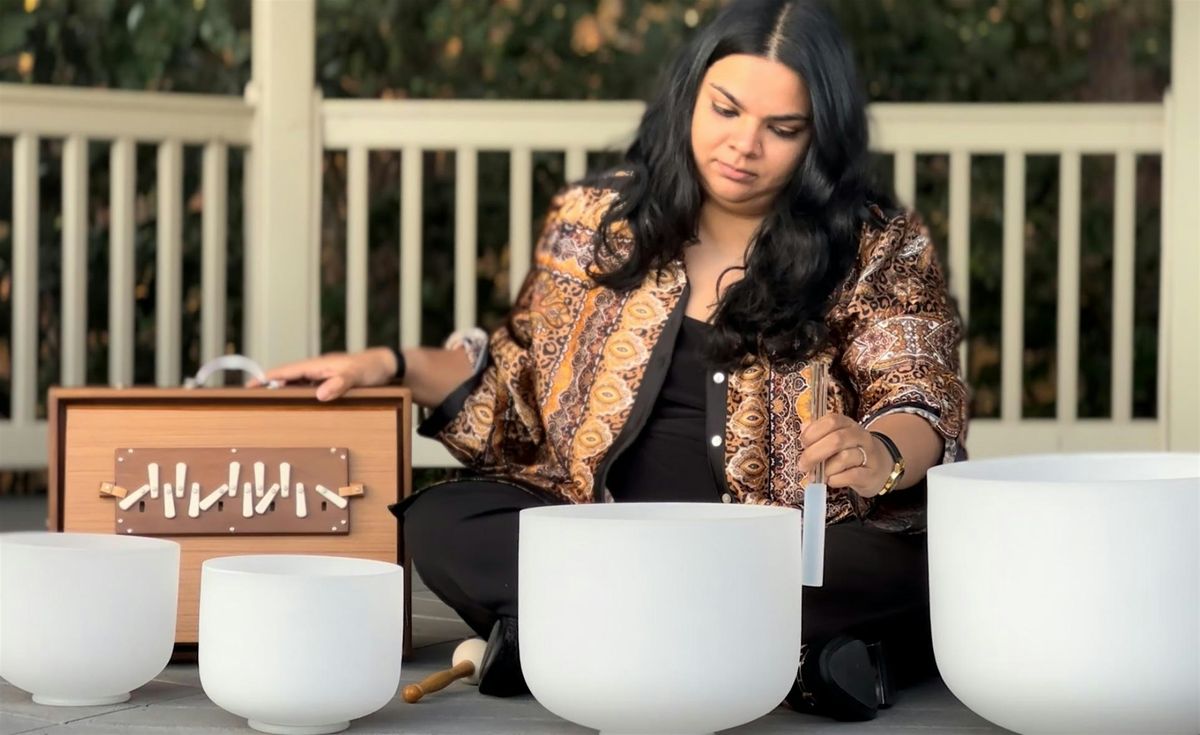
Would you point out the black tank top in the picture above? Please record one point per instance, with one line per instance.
(668, 460)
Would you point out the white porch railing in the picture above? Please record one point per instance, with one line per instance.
(124, 119)
(904, 131)
(282, 236)
(1067, 131)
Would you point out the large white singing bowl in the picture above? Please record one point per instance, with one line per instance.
(659, 617)
(85, 618)
(1064, 590)
(300, 644)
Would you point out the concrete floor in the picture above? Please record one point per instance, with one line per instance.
(175, 703)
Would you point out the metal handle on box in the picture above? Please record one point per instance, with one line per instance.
(230, 362)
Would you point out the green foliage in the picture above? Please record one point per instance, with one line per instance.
(163, 45)
(513, 49)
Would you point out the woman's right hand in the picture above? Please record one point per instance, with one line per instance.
(338, 372)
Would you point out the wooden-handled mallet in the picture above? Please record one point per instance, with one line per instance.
(464, 665)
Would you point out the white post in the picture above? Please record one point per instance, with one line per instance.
(74, 260)
(1179, 397)
(280, 259)
(25, 280)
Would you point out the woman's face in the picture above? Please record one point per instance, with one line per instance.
(750, 128)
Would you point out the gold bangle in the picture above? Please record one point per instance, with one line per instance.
(893, 479)
(897, 463)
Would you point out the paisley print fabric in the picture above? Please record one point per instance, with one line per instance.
(564, 372)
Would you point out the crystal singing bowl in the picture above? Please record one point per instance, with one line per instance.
(1064, 590)
(659, 617)
(300, 644)
(85, 618)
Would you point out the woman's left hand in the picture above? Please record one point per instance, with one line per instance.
(853, 457)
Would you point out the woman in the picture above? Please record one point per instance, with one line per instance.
(664, 342)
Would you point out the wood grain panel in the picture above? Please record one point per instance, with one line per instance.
(89, 424)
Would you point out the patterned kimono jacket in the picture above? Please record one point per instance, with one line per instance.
(571, 378)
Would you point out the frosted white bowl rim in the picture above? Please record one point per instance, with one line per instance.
(666, 513)
(1098, 468)
(54, 541)
(299, 566)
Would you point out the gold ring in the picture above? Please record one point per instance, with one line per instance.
(864, 454)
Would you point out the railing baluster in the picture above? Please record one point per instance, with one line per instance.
(1123, 278)
(356, 249)
(960, 240)
(1012, 343)
(74, 260)
(168, 274)
(520, 196)
(576, 163)
(1067, 367)
(214, 249)
(466, 249)
(249, 208)
(410, 247)
(904, 177)
(316, 196)
(25, 279)
(121, 241)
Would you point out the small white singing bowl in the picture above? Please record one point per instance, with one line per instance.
(300, 645)
(1065, 590)
(85, 618)
(660, 617)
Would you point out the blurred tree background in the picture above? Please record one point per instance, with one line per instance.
(908, 50)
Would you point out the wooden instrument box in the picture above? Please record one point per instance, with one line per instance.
(230, 471)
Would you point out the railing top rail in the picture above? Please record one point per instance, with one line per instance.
(559, 125)
(556, 125)
(1022, 127)
(1057, 113)
(110, 114)
(484, 124)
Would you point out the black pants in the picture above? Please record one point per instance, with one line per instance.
(463, 540)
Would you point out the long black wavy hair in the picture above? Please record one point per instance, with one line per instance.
(807, 243)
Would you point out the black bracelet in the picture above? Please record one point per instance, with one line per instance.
(889, 445)
(401, 365)
(897, 463)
